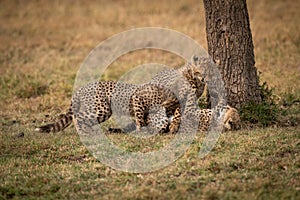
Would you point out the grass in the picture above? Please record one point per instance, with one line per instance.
(259, 164)
(42, 47)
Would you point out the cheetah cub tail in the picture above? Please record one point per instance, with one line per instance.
(64, 121)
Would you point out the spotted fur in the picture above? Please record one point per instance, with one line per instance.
(230, 120)
(93, 103)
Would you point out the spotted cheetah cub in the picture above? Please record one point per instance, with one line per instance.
(231, 119)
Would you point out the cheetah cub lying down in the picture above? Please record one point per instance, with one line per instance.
(159, 122)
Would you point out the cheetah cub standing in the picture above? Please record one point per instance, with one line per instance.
(92, 104)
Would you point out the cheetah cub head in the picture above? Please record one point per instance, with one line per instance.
(232, 120)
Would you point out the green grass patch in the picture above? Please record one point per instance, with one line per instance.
(261, 163)
(281, 110)
(22, 86)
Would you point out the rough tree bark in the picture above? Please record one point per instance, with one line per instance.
(230, 45)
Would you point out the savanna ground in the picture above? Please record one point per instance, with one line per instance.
(42, 46)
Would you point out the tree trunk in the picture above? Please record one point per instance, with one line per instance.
(230, 45)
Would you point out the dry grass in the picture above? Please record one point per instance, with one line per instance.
(259, 164)
(42, 46)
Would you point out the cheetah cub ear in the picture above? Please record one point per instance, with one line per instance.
(232, 120)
